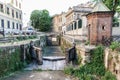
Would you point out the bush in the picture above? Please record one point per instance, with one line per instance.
(68, 70)
(95, 67)
(115, 45)
(108, 76)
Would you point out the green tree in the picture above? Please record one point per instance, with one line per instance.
(113, 5)
(35, 18)
(41, 20)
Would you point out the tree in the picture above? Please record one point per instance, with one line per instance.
(113, 5)
(35, 18)
(41, 20)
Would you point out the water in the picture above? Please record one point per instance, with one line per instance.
(49, 63)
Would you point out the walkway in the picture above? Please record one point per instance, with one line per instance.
(40, 75)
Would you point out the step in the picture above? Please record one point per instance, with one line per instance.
(55, 58)
(49, 63)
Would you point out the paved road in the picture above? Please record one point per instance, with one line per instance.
(40, 75)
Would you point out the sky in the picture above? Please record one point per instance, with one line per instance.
(53, 6)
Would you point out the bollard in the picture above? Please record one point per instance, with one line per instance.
(39, 56)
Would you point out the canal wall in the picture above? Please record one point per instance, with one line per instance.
(83, 51)
(15, 56)
(112, 62)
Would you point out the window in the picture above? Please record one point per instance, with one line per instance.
(8, 24)
(72, 26)
(1, 7)
(12, 13)
(8, 12)
(20, 5)
(75, 25)
(20, 27)
(13, 25)
(20, 16)
(17, 25)
(2, 23)
(16, 14)
(80, 23)
(103, 27)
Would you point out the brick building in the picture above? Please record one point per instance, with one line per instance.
(99, 23)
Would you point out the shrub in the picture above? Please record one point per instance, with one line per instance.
(68, 70)
(108, 76)
(115, 45)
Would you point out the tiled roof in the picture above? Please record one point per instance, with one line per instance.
(100, 7)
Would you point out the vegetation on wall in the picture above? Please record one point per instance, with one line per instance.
(10, 62)
(93, 70)
(21, 38)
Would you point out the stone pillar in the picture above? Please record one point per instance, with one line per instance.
(23, 54)
(39, 56)
(66, 55)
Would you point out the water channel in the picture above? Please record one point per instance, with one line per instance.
(53, 59)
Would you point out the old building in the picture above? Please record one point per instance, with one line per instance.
(76, 20)
(99, 23)
(10, 16)
(59, 21)
(116, 28)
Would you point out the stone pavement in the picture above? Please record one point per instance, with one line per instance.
(39, 75)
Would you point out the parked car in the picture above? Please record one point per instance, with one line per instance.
(29, 31)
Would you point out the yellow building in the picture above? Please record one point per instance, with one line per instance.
(59, 21)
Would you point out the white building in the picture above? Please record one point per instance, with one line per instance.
(76, 21)
(116, 29)
(10, 16)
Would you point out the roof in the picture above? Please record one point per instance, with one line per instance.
(100, 7)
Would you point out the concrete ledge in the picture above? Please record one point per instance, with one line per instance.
(55, 58)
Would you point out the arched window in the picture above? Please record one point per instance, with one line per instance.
(80, 23)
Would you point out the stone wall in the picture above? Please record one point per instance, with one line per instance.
(112, 62)
(16, 56)
(83, 51)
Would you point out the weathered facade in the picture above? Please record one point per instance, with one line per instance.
(59, 21)
(99, 24)
(76, 20)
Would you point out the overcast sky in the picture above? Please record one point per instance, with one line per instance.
(53, 6)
